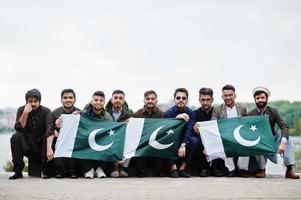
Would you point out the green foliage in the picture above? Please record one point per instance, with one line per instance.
(8, 167)
(298, 161)
(291, 112)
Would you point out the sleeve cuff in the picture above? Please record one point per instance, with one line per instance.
(284, 140)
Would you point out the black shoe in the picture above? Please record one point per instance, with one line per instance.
(204, 173)
(16, 176)
(73, 176)
(142, 174)
(217, 173)
(243, 173)
(44, 175)
(184, 173)
(160, 173)
(174, 173)
(59, 176)
(231, 174)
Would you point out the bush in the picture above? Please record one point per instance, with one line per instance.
(8, 167)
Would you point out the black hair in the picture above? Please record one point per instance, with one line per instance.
(33, 93)
(180, 90)
(68, 91)
(260, 92)
(150, 92)
(229, 87)
(206, 91)
(99, 93)
(118, 92)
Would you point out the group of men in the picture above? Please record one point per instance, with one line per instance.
(37, 129)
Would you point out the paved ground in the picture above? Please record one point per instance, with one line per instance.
(272, 187)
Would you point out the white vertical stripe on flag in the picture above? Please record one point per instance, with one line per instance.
(133, 134)
(65, 142)
(212, 140)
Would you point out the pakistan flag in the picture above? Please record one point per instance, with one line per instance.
(241, 136)
(89, 138)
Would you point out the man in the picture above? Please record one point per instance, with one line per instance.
(63, 166)
(228, 109)
(188, 143)
(204, 113)
(120, 112)
(149, 110)
(33, 124)
(95, 109)
(282, 140)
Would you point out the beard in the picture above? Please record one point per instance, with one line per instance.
(261, 105)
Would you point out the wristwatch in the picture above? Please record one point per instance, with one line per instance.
(183, 144)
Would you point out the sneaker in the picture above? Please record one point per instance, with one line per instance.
(90, 173)
(174, 173)
(99, 173)
(16, 176)
(115, 174)
(123, 173)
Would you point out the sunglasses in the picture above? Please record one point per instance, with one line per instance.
(183, 98)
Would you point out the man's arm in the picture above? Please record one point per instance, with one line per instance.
(49, 152)
(282, 125)
(23, 119)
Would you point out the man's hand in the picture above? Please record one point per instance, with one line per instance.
(181, 151)
(183, 116)
(56, 133)
(281, 148)
(76, 112)
(58, 122)
(205, 153)
(28, 108)
(49, 154)
(196, 128)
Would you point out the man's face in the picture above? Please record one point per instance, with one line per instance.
(229, 97)
(261, 100)
(117, 100)
(206, 101)
(98, 103)
(150, 101)
(34, 102)
(180, 99)
(68, 100)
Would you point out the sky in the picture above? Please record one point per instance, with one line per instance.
(155, 44)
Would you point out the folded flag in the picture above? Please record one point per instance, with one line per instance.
(241, 136)
(89, 138)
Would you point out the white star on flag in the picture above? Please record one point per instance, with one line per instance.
(170, 131)
(111, 132)
(253, 128)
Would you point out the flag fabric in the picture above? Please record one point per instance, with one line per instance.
(153, 137)
(240, 136)
(89, 138)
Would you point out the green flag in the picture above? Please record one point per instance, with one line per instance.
(89, 138)
(153, 137)
(241, 136)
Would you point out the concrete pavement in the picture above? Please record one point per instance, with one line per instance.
(272, 187)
